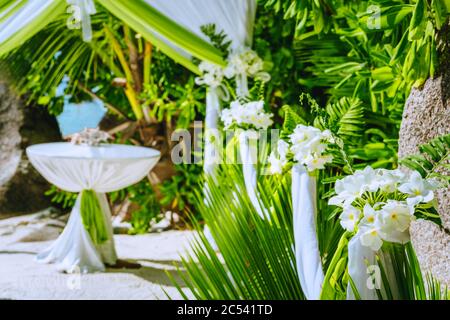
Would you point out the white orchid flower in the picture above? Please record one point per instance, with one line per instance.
(317, 162)
(371, 216)
(419, 189)
(347, 190)
(370, 236)
(396, 215)
(251, 113)
(212, 74)
(349, 217)
(282, 148)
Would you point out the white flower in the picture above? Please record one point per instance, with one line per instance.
(251, 113)
(212, 75)
(370, 237)
(282, 148)
(303, 134)
(396, 215)
(245, 62)
(388, 180)
(418, 189)
(371, 216)
(276, 164)
(327, 135)
(313, 162)
(308, 146)
(347, 190)
(349, 218)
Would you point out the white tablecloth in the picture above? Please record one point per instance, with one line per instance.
(102, 169)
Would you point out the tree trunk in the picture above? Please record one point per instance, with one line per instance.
(426, 116)
(21, 187)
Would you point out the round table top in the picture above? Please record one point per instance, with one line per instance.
(67, 150)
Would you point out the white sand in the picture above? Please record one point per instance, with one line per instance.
(23, 278)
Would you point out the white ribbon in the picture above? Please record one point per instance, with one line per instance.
(87, 8)
(365, 273)
(242, 85)
(211, 154)
(307, 255)
(249, 160)
(211, 151)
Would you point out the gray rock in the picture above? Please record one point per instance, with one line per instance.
(426, 116)
(432, 246)
(21, 187)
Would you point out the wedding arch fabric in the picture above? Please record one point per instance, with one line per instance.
(307, 254)
(236, 19)
(21, 19)
(65, 166)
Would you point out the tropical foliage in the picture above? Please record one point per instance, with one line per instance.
(355, 61)
(363, 73)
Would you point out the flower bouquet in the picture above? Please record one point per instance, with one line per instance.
(304, 152)
(378, 206)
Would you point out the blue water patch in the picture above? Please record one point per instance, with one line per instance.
(78, 116)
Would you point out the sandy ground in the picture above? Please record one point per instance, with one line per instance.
(23, 278)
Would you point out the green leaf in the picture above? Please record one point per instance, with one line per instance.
(382, 74)
(389, 18)
(418, 21)
(291, 120)
(433, 155)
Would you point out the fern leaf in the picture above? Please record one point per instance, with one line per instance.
(346, 117)
(433, 157)
(291, 120)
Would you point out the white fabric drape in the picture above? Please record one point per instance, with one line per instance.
(248, 153)
(22, 17)
(307, 255)
(74, 248)
(235, 18)
(76, 168)
(211, 154)
(365, 273)
(359, 258)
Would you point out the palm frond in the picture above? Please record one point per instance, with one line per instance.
(256, 260)
(433, 157)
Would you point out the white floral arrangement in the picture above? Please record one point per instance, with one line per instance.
(306, 146)
(212, 75)
(247, 116)
(90, 137)
(246, 62)
(379, 204)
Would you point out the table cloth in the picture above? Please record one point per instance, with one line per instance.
(92, 171)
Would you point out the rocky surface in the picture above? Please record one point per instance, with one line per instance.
(21, 187)
(432, 247)
(23, 278)
(426, 116)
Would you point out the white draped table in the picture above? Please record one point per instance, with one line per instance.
(93, 171)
